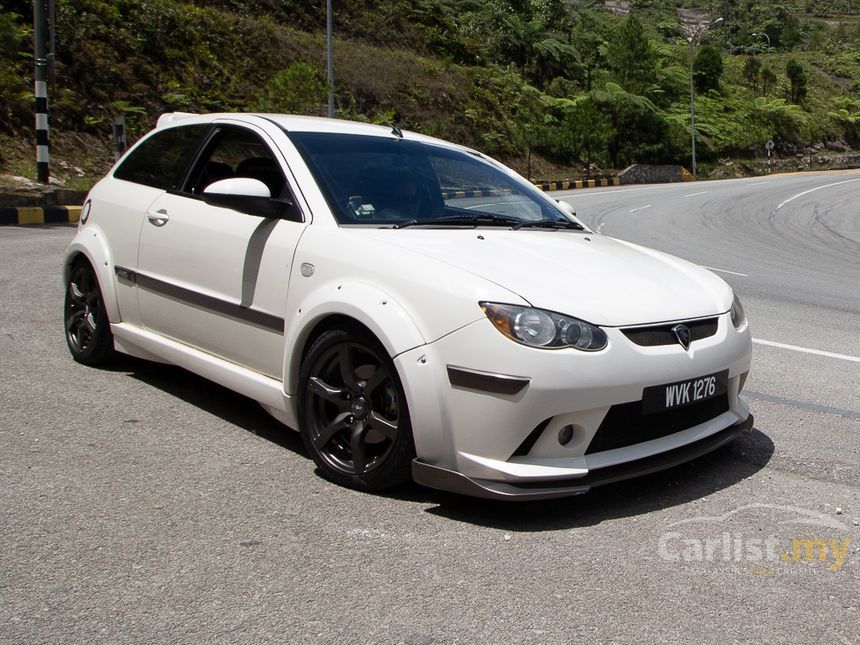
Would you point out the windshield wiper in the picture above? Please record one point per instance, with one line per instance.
(485, 219)
(549, 223)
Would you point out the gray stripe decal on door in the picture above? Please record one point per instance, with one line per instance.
(196, 299)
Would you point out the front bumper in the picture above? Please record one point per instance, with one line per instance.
(488, 415)
(453, 481)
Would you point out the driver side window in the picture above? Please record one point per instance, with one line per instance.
(236, 152)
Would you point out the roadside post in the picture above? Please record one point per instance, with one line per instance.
(770, 146)
(42, 9)
(120, 142)
(329, 41)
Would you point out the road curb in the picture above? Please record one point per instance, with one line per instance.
(572, 184)
(27, 215)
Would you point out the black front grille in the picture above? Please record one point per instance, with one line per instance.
(625, 425)
(663, 334)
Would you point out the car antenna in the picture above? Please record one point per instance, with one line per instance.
(394, 129)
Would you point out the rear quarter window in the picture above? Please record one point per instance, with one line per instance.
(161, 160)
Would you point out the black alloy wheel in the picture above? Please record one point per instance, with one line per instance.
(88, 332)
(353, 412)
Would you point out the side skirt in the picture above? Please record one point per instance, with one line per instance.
(267, 391)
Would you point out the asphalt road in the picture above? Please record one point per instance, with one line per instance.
(142, 503)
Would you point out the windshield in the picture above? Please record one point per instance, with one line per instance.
(392, 182)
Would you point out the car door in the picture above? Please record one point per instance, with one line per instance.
(155, 165)
(216, 278)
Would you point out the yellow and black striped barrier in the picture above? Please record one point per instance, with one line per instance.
(567, 184)
(476, 192)
(24, 215)
(572, 184)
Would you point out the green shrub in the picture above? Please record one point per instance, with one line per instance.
(298, 89)
(847, 117)
(781, 121)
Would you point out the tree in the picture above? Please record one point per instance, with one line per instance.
(797, 77)
(752, 70)
(587, 38)
(576, 130)
(539, 55)
(521, 38)
(631, 58)
(527, 130)
(554, 12)
(791, 34)
(708, 68)
(552, 58)
(779, 22)
(589, 130)
(768, 79)
(639, 131)
(14, 104)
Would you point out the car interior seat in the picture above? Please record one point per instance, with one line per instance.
(264, 169)
(212, 172)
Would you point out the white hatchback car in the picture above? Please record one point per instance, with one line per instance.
(413, 307)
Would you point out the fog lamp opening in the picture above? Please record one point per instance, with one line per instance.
(565, 435)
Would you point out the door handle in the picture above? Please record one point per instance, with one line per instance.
(158, 218)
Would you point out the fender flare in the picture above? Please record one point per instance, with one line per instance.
(386, 318)
(90, 243)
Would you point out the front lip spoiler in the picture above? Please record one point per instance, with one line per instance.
(450, 480)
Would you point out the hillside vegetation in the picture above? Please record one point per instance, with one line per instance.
(551, 86)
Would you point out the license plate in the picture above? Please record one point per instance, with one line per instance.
(660, 398)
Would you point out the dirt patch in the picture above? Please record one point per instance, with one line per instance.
(841, 81)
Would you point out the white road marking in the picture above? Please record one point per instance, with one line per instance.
(641, 208)
(616, 191)
(812, 190)
(694, 194)
(807, 350)
(745, 275)
(758, 183)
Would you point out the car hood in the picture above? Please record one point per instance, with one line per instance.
(593, 277)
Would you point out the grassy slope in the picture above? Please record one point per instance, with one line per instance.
(139, 59)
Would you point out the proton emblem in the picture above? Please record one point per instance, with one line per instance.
(682, 333)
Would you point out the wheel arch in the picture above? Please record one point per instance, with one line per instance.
(90, 245)
(353, 306)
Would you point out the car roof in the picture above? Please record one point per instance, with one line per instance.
(299, 123)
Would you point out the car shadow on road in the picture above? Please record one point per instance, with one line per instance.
(704, 476)
(224, 403)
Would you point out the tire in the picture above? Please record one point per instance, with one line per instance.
(88, 333)
(352, 412)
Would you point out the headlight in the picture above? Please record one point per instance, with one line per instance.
(739, 319)
(545, 329)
